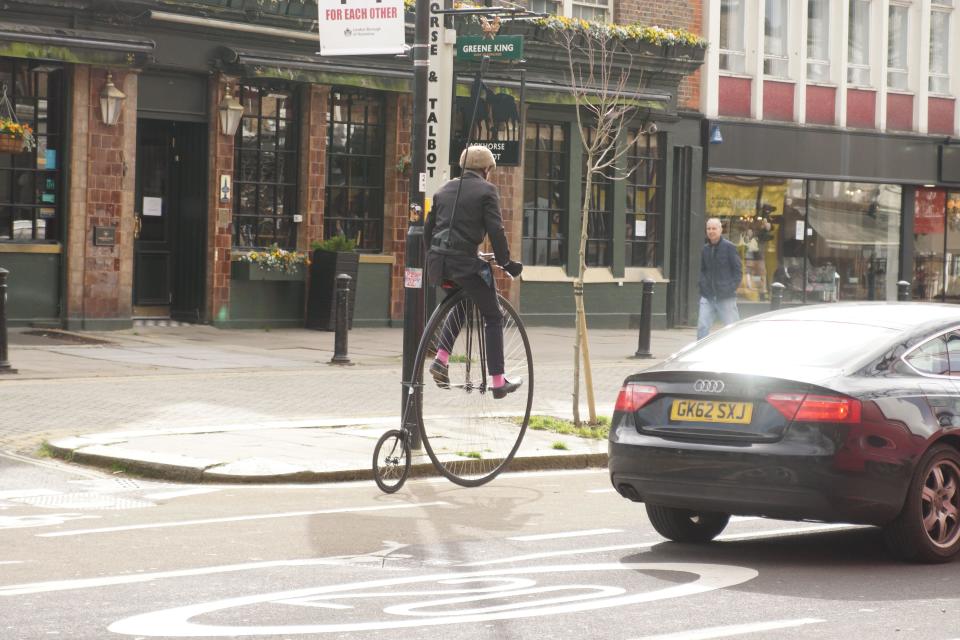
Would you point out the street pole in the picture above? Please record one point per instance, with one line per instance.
(413, 302)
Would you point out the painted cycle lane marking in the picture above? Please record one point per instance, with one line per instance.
(450, 598)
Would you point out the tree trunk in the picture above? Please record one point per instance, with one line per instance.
(581, 319)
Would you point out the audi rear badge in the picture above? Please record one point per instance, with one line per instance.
(709, 386)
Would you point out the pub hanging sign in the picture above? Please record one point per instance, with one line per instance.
(488, 114)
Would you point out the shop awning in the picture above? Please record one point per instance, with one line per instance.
(854, 228)
(371, 73)
(313, 69)
(72, 45)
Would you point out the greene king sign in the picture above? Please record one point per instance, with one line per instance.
(498, 48)
(360, 27)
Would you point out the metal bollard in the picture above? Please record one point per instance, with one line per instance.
(646, 313)
(903, 291)
(340, 338)
(776, 295)
(4, 363)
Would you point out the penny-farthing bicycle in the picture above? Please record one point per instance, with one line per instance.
(469, 435)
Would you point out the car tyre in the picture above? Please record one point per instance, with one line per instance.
(928, 528)
(683, 525)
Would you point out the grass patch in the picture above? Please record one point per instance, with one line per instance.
(598, 431)
(560, 445)
(476, 455)
(458, 358)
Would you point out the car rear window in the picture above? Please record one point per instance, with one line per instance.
(806, 343)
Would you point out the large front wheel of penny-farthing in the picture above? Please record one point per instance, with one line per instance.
(469, 434)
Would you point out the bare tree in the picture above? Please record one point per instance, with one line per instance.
(600, 75)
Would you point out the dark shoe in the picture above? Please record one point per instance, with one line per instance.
(440, 374)
(506, 388)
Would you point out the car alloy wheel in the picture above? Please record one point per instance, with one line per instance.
(928, 528)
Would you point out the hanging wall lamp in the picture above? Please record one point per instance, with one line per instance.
(231, 111)
(111, 102)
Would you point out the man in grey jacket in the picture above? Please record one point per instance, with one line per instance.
(720, 274)
(464, 211)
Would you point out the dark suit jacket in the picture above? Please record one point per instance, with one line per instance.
(452, 250)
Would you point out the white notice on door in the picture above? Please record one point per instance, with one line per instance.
(640, 229)
(152, 206)
(799, 233)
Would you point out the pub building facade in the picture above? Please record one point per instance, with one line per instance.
(831, 143)
(137, 201)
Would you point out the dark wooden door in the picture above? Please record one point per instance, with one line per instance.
(170, 230)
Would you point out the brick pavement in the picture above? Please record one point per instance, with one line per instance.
(200, 378)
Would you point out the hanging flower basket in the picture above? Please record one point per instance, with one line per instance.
(10, 143)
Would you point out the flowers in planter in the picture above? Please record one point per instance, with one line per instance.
(22, 133)
(276, 259)
(630, 32)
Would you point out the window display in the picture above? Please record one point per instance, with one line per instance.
(825, 241)
(936, 233)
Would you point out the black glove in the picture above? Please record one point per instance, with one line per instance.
(513, 268)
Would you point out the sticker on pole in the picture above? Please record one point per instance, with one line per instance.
(413, 278)
(360, 27)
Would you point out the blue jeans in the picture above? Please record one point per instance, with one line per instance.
(725, 310)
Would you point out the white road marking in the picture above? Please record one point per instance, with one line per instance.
(11, 561)
(744, 518)
(645, 545)
(566, 534)
(733, 630)
(27, 493)
(266, 516)
(44, 520)
(167, 495)
(496, 585)
(610, 490)
(109, 581)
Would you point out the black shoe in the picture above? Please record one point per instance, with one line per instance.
(440, 374)
(507, 388)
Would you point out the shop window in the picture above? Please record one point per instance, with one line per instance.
(940, 14)
(599, 249)
(265, 179)
(30, 181)
(545, 182)
(590, 10)
(760, 216)
(644, 209)
(897, 38)
(936, 242)
(355, 168)
(852, 241)
(775, 57)
(858, 43)
(732, 48)
(818, 40)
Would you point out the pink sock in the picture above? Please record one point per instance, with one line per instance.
(443, 356)
(498, 381)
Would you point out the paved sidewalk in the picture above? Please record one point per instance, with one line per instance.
(197, 403)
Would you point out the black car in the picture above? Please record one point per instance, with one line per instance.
(843, 412)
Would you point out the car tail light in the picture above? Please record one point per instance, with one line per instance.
(633, 396)
(813, 408)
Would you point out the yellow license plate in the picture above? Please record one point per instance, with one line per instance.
(712, 411)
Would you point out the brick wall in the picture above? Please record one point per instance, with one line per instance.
(683, 14)
(313, 172)
(100, 278)
(397, 193)
(219, 215)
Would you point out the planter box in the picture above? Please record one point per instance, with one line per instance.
(240, 270)
(322, 298)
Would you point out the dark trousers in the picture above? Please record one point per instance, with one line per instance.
(483, 291)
